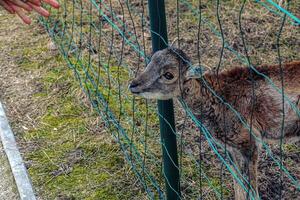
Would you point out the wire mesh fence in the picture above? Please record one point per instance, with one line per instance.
(108, 43)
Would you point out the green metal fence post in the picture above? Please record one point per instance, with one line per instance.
(165, 108)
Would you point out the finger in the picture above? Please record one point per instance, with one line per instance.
(21, 4)
(20, 13)
(7, 7)
(39, 10)
(52, 3)
(36, 2)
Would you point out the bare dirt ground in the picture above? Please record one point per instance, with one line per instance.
(61, 161)
(8, 188)
(64, 145)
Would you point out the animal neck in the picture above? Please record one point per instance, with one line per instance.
(194, 92)
(198, 97)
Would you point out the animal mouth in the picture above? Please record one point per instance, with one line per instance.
(134, 89)
(135, 92)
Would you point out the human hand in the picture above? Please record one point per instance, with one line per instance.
(22, 7)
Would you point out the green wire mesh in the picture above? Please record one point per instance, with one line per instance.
(107, 43)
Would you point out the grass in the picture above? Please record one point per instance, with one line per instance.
(257, 33)
(71, 153)
(71, 160)
(68, 152)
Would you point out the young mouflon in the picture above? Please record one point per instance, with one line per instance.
(259, 103)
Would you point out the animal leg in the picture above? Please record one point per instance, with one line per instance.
(246, 162)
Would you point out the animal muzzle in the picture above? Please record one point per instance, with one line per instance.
(134, 87)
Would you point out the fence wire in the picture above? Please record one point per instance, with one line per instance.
(108, 43)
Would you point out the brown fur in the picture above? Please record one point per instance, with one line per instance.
(235, 86)
(250, 94)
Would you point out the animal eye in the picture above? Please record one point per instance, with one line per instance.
(168, 75)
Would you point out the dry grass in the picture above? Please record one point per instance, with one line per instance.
(62, 137)
(259, 29)
(66, 148)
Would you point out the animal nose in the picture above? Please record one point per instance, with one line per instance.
(133, 87)
(133, 84)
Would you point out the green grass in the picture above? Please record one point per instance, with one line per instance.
(63, 131)
(71, 154)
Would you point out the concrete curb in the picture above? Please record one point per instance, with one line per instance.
(15, 160)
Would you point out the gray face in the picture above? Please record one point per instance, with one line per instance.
(162, 77)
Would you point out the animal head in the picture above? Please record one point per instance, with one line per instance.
(164, 76)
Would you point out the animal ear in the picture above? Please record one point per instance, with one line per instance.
(196, 71)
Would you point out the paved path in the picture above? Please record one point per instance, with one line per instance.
(8, 189)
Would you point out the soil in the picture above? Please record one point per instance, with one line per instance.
(65, 147)
(17, 86)
(8, 82)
